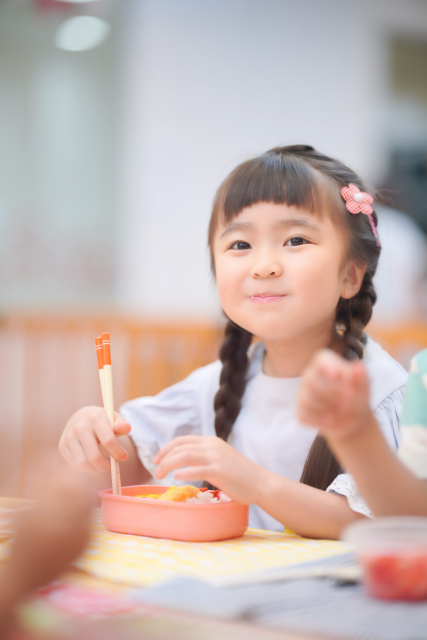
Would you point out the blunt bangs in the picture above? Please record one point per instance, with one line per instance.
(276, 178)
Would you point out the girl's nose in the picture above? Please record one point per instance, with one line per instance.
(267, 270)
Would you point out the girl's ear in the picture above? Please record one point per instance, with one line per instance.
(353, 278)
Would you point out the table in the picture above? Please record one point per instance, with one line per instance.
(114, 565)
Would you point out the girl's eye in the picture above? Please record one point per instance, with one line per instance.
(295, 242)
(240, 246)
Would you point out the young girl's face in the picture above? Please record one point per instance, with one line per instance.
(280, 271)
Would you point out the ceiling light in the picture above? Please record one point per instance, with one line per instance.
(81, 33)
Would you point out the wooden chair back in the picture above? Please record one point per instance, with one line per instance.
(48, 370)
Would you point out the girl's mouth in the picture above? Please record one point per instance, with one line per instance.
(264, 298)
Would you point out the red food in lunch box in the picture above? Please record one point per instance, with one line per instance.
(396, 575)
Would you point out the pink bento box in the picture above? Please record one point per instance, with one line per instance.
(172, 520)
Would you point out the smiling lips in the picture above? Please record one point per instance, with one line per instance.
(263, 298)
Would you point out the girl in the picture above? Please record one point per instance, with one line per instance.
(294, 268)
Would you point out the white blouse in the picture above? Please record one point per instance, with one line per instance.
(266, 429)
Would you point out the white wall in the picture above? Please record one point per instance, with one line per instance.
(208, 84)
(57, 165)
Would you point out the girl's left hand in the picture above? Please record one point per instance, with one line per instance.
(211, 459)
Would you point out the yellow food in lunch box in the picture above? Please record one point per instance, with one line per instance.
(174, 494)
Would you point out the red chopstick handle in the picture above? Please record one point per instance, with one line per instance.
(106, 354)
(98, 347)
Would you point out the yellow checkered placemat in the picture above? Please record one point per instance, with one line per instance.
(137, 561)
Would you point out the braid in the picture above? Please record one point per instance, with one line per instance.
(321, 466)
(234, 358)
(353, 315)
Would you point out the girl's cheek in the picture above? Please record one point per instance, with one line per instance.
(321, 284)
(229, 281)
(320, 274)
(222, 289)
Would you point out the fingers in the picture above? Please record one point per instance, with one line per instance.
(193, 473)
(85, 433)
(321, 392)
(327, 364)
(176, 442)
(107, 437)
(334, 396)
(121, 427)
(183, 456)
(355, 392)
(92, 452)
(317, 396)
(75, 456)
(359, 378)
(63, 448)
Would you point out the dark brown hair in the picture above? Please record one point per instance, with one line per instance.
(296, 175)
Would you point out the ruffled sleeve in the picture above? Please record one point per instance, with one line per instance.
(176, 411)
(387, 415)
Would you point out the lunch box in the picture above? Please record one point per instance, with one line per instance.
(184, 521)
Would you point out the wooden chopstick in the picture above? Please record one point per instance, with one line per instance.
(98, 347)
(106, 379)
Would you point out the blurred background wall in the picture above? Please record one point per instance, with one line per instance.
(111, 150)
(208, 84)
(59, 115)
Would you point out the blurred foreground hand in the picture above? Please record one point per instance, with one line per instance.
(334, 396)
(49, 536)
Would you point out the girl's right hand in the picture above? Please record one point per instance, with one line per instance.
(87, 432)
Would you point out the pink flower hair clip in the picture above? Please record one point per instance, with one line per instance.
(358, 201)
